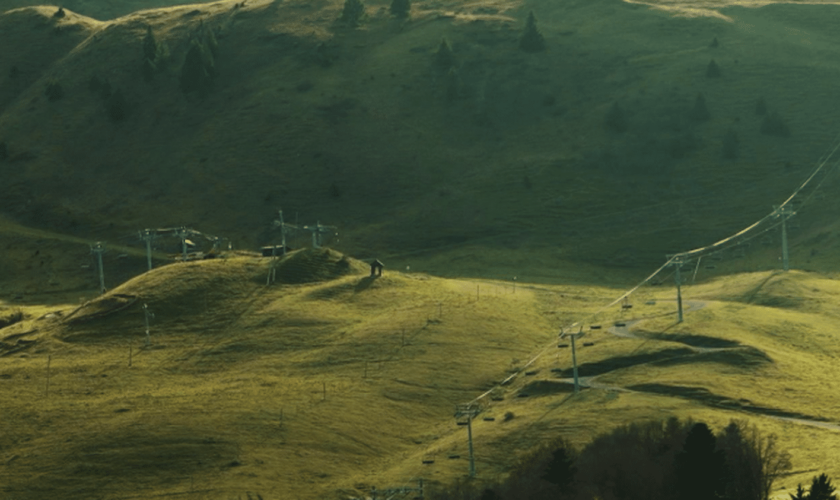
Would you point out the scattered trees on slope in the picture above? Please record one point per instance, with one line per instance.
(821, 489)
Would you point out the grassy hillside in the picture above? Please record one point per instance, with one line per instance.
(322, 389)
(102, 10)
(360, 128)
(509, 172)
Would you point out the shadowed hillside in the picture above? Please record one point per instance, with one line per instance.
(361, 128)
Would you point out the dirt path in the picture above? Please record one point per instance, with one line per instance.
(694, 394)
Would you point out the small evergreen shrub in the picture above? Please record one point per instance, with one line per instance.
(681, 146)
(198, 69)
(774, 125)
(155, 55)
(615, 120)
(400, 8)
(444, 57)
(150, 45)
(335, 192)
(353, 13)
(54, 91)
(117, 106)
(210, 42)
(714, 43)
(59, 13)
(712, 70)
(699, 112)
(730, 145)
(760, 106)
(532, 40)
(324, 55)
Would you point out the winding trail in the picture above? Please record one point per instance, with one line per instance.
(623, 331)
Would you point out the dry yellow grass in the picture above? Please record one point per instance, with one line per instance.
(318, 389)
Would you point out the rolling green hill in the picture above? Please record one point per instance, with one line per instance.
(362, 129)
(330, 381)
(509, 194)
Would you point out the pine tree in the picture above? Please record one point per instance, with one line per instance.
(699, 112)
(821, 489)
(700, 470)
(444, 58)
(400, 8)
(532, 40)
(210, 42)
(117, 106)
(154, 55)
(150, 46)
(712, 70)
(353, 13)
(198, 70)
(560, 471)
(774, 125)
(800, 494)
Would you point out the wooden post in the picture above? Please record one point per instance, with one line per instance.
(49, 359)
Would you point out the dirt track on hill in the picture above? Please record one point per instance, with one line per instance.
(696, 394)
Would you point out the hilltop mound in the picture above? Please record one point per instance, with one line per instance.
(313, 265)
(39, 39)
(793, 290)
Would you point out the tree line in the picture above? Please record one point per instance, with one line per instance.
(658, 460)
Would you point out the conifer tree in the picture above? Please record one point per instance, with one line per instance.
(773, 124)
(198, 70)
(821, 489)
(532, 40)
(700, 469)
(699, 112)
(400, 8)
(712, 70)
(117, 106)
(800, 494)
(150, 46)
(154, 55)
(444, 58)
(353, 13)
(210, 42)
